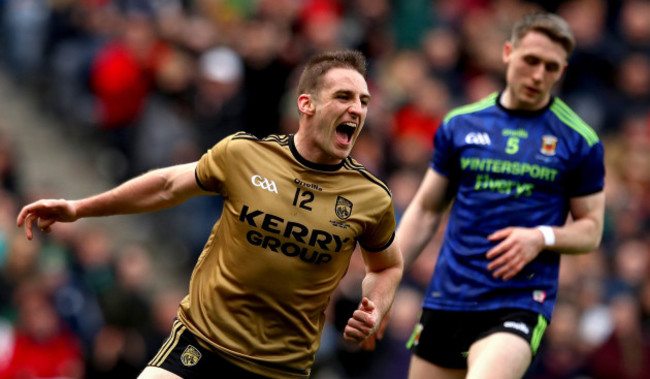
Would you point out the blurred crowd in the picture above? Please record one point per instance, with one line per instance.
(150, 83)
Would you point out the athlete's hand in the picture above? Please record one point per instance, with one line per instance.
(363, 324)
(517, 248)
(371, 342)
(45, 213)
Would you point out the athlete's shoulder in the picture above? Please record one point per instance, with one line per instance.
(486, 102)
(243, 142)
(351, 165)
(244, 137)
(570, 119)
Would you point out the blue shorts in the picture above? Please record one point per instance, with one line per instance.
(444, 337)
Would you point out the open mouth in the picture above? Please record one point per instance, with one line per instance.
(345, 131)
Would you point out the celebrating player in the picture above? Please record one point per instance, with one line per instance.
(295, 207)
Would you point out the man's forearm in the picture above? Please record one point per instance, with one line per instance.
(381, 286)
(152, 191)
(578, 237)
(584, 233)
(414, 233)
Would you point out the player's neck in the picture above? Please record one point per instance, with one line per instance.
(309, 150)
(510, 101)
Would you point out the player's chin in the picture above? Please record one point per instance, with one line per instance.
(341, 152)
(532, 98)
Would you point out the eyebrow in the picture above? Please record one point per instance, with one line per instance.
(531, 55)
(365, 96)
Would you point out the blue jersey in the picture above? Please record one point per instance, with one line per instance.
(508, 168)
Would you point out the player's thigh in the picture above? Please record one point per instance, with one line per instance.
(423, 369)
(157, 373)
(499, 355)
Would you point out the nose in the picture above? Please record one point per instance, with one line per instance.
(356, 107)
(538, 72)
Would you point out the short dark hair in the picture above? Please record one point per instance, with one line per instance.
(320, 64)
(550, 24)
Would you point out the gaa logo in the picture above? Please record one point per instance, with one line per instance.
(264, 183)
(190, 356)
(477, 139)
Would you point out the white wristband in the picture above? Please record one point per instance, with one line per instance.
(548, 233)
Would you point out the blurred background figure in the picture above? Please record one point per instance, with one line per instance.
(41, 345)
(219, 101)
(626, 353)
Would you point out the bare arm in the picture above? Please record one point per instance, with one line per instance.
(152, 191)
(519, 246)
(383, 274)
(584, 234)
(423, 216)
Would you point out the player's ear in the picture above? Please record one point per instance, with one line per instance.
(508, 47)
(306, 104)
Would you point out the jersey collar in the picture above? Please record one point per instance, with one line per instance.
(524, 113)
(312, 165)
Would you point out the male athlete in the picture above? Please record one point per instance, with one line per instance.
(515, 165)
(295, 207)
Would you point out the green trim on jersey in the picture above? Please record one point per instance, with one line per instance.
(538, 333)
(487, 102)
(572, 120)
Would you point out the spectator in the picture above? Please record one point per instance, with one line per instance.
(43, 347)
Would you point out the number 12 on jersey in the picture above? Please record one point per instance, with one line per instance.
(302, 198)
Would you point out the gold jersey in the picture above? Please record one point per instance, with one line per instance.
(260, 288)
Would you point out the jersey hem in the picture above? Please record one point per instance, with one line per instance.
(543, 312)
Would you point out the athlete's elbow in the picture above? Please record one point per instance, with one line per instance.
(594, 245)
(590, 245)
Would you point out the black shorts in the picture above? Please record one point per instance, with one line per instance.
(444, 337)
(182, 355)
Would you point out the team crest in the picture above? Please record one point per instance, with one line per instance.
(190, 356)
(549, 143)
(343, 208)
(539, 296)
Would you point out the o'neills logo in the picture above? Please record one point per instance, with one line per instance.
(343, 208)
(313, 186)
(190, 356)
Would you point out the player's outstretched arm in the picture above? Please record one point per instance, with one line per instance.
(383, 274)
(422, 217)
(152, 191)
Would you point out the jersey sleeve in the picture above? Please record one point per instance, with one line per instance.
(589, 175)
(380, 235)
(211, 169)
(442, 158)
